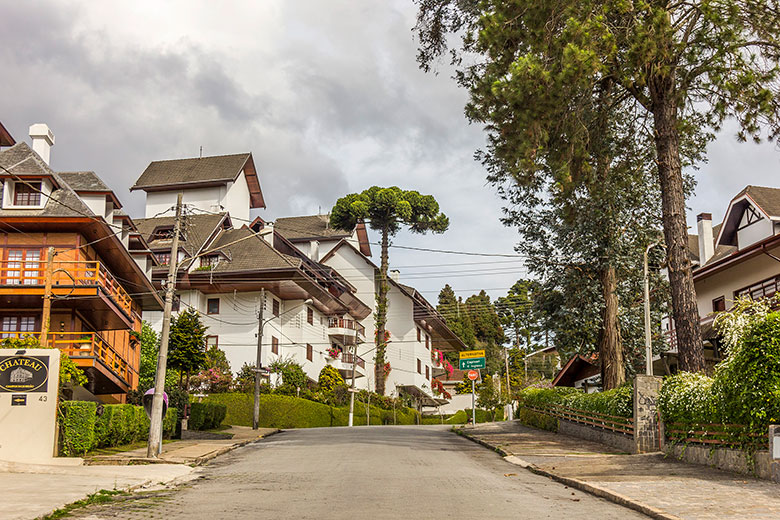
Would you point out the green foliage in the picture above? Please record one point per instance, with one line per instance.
(489, 397)
(458, 320)
(187, 346)
(518, 315)
(689, 398)
(280, 411)
(292, 373)
(70, 373)
(330, 379)
(82, 430)
(77, 427)
(206, 415)
(245, 379)
(617, 402)
(216, 375)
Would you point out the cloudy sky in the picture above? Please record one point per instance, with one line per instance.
(326, 95)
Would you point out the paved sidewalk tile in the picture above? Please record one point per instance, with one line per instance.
(685, 490)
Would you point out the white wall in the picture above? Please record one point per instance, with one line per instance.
(755, 232)
(236, 199)
(163, 202)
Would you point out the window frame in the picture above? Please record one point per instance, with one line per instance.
(209, 302)
(419, 366)
(274, 345)
(30, 195)
(309, 315)
(719, 304)
(309, 352)
(276, 307)
(216, 341)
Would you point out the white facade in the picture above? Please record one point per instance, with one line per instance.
(232, 197)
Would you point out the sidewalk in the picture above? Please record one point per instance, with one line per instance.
(30, 490)
(658, 486)
(194, 451)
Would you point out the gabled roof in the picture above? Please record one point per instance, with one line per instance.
(89, 182)
(22, 162)
(201, 172)
(317, 227)
(721, 251)
(196, 232)
(246, 251)
(5, 137)
(309, 227)
(577, 368)
(765, 200)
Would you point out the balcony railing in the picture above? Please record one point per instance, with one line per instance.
(32, 273)
(83, 344)
(344, 323)
(347, 357)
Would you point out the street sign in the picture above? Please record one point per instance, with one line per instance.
(468, 364)
(473, 375)
(470, 354)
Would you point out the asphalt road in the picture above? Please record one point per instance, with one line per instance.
(379, 472)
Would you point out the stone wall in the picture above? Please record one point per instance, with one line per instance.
(647, 427)
(722, 458)
(617, 440)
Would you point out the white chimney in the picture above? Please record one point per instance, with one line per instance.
(706, 240)
(314, 250)
(267, 233)
(395, 275)
(42, 140)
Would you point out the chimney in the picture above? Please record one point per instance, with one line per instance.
(267, 233)
(706, 240)
(42, 140)
(314, 250)
(395, 275)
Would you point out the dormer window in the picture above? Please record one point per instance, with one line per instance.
(163, 233)
(209, 260)
(27, 194)
(163, 258)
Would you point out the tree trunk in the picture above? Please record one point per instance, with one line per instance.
(684, 309)
(381, 317)
(613, 372)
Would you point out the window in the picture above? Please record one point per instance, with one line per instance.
(275, 307)
(163, 258)
(310, 316)
(427, 372)
(212, 341)
(274, 345)
(419, 366)
(23, 267)
(719, 304)
(176, 303)
(163, 233)
(309, 352)
(16, 324)
(419, 334)
(27, 194)
(763, 289)
(207, 261)
(428, 342)
(212, 306)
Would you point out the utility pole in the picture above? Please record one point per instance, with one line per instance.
(648, 340)
(473, 405)
(352, 390)
(508, 386)
(154, 445)
(47, 296)
(258, 364)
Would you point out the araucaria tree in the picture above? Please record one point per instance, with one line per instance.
(685, 66)
(387, 210)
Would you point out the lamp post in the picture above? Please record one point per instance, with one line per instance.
(258, 366)
(648, 341)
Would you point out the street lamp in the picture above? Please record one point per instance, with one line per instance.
(648, 342)
(258, 366)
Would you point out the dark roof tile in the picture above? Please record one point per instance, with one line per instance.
(215, 169)
(309, 227)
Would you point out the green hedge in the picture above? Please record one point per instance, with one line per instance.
(282, 411)
(82, 430)
(617, 402)
(206, 416)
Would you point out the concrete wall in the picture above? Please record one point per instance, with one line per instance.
(750, 234)
(236, 200)
(207, 199)
(620, 441)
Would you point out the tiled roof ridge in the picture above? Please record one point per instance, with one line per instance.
(205, 157)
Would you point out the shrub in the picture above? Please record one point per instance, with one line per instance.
(206, 416)
(329, 379)
(687, 397)
(77, 427)
(618, 402)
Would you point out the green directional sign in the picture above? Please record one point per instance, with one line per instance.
(472, 363)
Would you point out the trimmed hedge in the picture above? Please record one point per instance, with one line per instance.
(617, 402)
(206, 416)
(283, 411)
(82, 430)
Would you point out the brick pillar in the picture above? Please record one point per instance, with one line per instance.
(647, 437)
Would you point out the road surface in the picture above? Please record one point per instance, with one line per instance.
(379, 472)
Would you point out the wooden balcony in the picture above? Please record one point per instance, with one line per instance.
(85, 285)
(107, 370)
(346, 331)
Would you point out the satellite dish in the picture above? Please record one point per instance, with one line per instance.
(147, 401)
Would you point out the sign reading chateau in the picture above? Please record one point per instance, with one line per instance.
(24, 374)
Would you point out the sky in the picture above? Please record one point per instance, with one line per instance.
(326, 95)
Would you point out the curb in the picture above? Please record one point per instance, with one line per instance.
(598, 491)
(214, 454)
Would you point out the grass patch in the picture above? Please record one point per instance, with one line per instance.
(101, 497)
